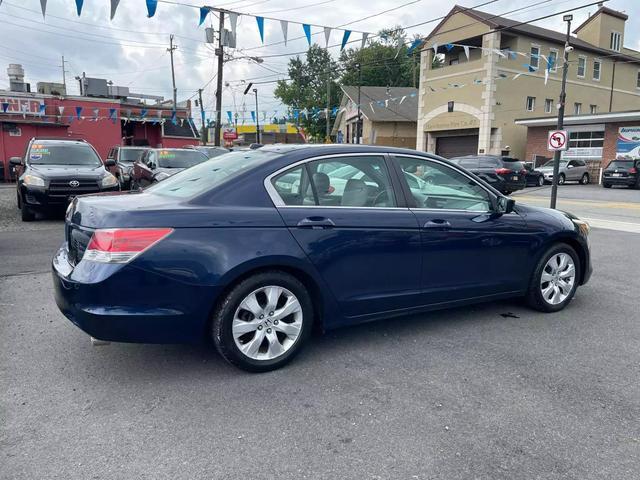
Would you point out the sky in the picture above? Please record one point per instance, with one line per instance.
(131, 49)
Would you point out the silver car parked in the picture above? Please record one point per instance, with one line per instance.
(570, 171)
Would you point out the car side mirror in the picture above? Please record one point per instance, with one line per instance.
(109, 162)
(505, 205)
(15, 161)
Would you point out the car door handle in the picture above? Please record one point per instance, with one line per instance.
(437, 224)
(316, 222)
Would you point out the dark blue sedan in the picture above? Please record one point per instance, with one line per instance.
(255, 248)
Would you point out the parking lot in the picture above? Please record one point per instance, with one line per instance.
(495, 391)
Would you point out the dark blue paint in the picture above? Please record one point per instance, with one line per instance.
(369, 264)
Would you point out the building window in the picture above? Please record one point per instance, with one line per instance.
(582, 66)
(534, 62)
(553, 59)
(589, 139)
(593, 109)
(577, 108)
(616, 41)
(638, 80)
(548, 105)
(596, 70)
(531, 104)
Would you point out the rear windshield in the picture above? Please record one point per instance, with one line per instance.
(513, 164)
(466, 162)
(49, 154)
(621, 164)
(210, 174)
(180, 158)
(130, 154)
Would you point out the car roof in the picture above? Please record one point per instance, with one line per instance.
(59, 141)
(335, 148)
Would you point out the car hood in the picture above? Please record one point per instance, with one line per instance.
(68, 171)
(559, 217)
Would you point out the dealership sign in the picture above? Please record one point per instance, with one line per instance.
(229, 134)
(21, 105)
(628, 144)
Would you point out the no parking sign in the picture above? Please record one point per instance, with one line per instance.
(558, 140)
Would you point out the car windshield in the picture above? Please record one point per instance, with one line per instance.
(201, 178)
(212, 151)
(563, 163)
(58, 154)
(180, 158)
(621, 164)
(130, 155)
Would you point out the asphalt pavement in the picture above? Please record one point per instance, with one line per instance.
(495, 391)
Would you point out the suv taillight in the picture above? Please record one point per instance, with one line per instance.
(503, 171)
(633, 170)
(121, 245)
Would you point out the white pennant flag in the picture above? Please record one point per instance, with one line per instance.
(327, 34)
(285, 26)
(61, 110)
(364, 39)
(233, 20)
(517, 76)
(114, 6)
(466, 51)
(435, 48)
(371, 106)
(546, 75)
(43, 6)
(386, 103)
(500, 52)
(404, 97)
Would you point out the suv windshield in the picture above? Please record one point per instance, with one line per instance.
(621, 164)
(130, 155)
(180, 158)
(59, 154)
(207, 175)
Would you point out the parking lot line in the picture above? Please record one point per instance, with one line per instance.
(590, 203)
(614, 225)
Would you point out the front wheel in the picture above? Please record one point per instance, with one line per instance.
(263, 322)
(561, 179)
(555, 279)
(26, 214)
(541, 181)
(585, 179)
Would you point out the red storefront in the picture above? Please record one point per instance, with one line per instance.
(102, 122)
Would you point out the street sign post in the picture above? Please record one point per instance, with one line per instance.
(558, 140)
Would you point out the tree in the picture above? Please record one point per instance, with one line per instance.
(306, 88)
(384, 62)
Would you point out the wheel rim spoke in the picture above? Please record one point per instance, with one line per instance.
(240, 327)
(275, 347)
(273, 295)
(291, 330)
(250, 303)
(252, 347)
(292, 306)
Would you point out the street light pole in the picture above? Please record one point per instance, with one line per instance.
(358, 117)
(563, 98)
(220, 54)
(255, 91)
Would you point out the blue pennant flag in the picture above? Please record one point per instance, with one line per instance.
(78, 112)
(345, 39)
(79, 6)
(414, 45)
(5, 107)
(315, 111)
(253, 116)
(230, 115)
(334, 111)
(42, 108)
(204, 11)
(296, 114)
(550, 63)
(449, 47)
(174, 117)
(143, 113)
(151, 7)
(260, 22)
(307, 32)
(113, 115)
(70, 119)
(513, 55)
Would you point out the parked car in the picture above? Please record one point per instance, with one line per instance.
(622, 172)
(533, 177)
(54, 171)
(125, 157)
(570, 171)
(243, 250)
(505, 174)
(211, 151)
(157, 164)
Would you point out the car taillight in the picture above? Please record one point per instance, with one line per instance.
(121, 245)
(523, 171)
(503, 171)
(633, 170)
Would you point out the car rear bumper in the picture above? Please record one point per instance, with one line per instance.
(627, 181)
(123, 303)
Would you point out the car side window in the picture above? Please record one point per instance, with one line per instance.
(352, 181)
(442, 187)
(293, 187)
(151, 160)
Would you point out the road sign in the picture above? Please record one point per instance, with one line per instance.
(558, 140)
(229, 134)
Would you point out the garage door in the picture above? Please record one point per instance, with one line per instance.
(449, 147)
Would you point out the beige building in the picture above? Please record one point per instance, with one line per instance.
(388, 116)
(468, 103)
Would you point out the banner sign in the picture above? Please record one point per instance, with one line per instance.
(30, 106)
(628, 145)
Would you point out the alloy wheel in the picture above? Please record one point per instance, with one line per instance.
(267, 323)
(540, 181)
(557, 279)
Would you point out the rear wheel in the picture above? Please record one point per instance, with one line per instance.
(606, 185)
(263, 322)
(540, 181)
(585, 179)
(561, 179)
(555, 279)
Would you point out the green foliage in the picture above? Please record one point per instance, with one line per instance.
(307, 88)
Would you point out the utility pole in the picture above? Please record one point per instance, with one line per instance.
(255, 92)
(328, 118)
(173, 73)
(220, 54)
(563, 98)
(64, 75)
(358, 118)
(203, 131)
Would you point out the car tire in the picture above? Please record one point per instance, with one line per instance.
(265, 345)
(540, 181)
(585, 179)
(561, 179)
(606, 185)
(553, 282)
(26, 214)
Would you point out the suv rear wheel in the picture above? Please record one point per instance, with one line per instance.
(555, 279)
(585, 179)
(561, 179)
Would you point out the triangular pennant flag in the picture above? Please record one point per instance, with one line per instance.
(260, 21)
(113, 114)
(70, 119)
(404, 97)
(334, 111)
(327, 35)
(435, 48)
(449, 47)
(143, 113)
(345, 39)
(466, 51)
(499, 52)
(413, 45)
(551, 63)
(386, 103)
(43, 6)
(96, 112)
(307, 32)
(546, 75)
(230, 115)
(79, 6)
(174, 117)
(204, 11)
(233, 20)
(513, 55)
(5, 107)
(42, 109)
(285, 26)
(517, 76)
(114, 7)
(151, 7)
(253, 116)
(128, 112)
(181, 122)
(364, 39)
(371, 107)
(78, 112)
(61, 110)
